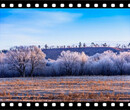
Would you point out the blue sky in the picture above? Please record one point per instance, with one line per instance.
(63, 26)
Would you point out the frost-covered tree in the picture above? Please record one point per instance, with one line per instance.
(80, 44)
(119, 62)
(84, 45)
(126, 56)
(106, 66)
(122, 59)
(18, 59)
(101, 64)
(126, 61)
(2, 64)
(25, 58)
(30, 61)
(107, 63)
(95, 57)
(83, 60)
(69, 63)
(36, 59)
(129, 45)
(2, 56)
(127, 68)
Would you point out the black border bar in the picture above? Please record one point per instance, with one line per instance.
(126, 3)
(126, 105)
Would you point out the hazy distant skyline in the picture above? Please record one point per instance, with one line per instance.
(63, 26)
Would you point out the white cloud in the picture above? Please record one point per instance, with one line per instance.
(43, 18)
(27, 26)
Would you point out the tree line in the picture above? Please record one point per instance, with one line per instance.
(29, 61)
(80, 45)
(84, 45)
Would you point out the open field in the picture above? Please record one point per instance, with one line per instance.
(75, 88)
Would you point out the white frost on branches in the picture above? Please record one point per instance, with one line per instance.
(30, 61)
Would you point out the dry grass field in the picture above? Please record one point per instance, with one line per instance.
(85, 88)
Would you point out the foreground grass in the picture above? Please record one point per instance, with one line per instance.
(65, 89)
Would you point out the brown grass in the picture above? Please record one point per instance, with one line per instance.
(64, 89)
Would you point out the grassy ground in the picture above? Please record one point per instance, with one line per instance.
(88, 88)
